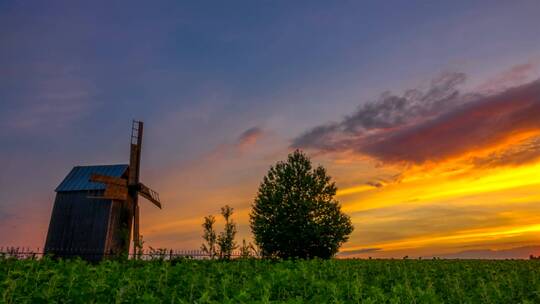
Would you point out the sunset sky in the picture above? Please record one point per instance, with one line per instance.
(425, 113)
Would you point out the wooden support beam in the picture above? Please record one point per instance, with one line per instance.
(115, 187)
(105, 179)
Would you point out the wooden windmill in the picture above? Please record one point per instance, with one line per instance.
(96, 208)
(118, 188)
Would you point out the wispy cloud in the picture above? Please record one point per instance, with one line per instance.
(514, 76)
(483, 123)
(526, 151)
(390, 111)
(51, 96)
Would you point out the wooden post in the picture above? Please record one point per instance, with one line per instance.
(136, 236)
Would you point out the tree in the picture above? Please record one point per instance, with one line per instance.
(209, 236)
(295, 214)
(221, 245)
(225, 239)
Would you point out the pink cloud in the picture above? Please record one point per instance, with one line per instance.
(514, 76)
(249, 137)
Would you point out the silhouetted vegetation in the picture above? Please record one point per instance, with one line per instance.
(209, 236)
(225, 239)
(221, 245)
(295, 213)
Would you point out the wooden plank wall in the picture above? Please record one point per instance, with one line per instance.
(78, 225)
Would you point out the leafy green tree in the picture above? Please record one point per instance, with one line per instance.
(209, 236)
(295, 213)
(225, 239)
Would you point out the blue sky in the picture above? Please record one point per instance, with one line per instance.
(200, 73)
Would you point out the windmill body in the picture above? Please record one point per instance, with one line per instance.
(96, 208)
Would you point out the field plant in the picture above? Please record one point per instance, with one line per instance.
(266, 281)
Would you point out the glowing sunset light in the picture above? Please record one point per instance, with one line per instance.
(434, 146)
(459, 237)
(435, 188)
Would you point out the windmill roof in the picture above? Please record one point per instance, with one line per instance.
(78, 177)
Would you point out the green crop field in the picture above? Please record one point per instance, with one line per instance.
(262, 281)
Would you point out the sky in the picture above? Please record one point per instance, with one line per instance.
(426, 114)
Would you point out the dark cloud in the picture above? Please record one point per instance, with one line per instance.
(250, 136)
(389, 111)
(392, 111)
(478, 124)
(320, 137)
(434, 125)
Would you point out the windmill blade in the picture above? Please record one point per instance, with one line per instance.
(135, 152)
(149, 194)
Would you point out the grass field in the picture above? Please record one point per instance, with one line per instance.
(260, 281)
